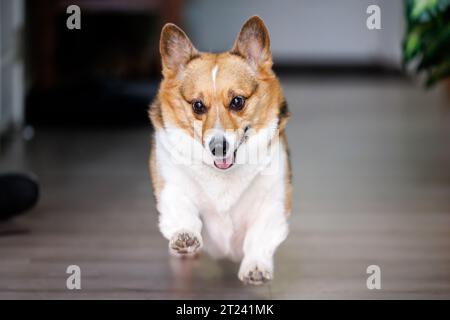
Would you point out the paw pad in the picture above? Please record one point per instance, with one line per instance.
(256, 276)
(184, 244)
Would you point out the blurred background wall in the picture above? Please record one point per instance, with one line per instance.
(304, 31)
(12, 85)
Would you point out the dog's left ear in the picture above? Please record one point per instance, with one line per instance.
(253, 43)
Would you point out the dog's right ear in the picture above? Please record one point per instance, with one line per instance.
(175, 47)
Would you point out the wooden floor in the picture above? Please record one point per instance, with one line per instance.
(371, 165)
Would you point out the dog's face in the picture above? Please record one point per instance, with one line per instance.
(221, 99)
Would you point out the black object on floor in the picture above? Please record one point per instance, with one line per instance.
(18, 193)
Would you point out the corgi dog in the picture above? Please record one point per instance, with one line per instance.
(219, 158)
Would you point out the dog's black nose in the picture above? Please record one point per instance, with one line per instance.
(218, 146)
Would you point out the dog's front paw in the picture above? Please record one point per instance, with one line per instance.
(185, 244)
(255, 273)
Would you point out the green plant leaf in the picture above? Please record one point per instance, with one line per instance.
(421, 9)
(412, 46)
(427, 39)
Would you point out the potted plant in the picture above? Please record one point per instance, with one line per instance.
(427, 41)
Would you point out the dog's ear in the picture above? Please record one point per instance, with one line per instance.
(175, 47)
(253, 43)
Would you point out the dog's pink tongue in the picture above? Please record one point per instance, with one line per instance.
(223, 164)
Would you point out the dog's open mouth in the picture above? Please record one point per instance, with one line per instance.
(224, 163)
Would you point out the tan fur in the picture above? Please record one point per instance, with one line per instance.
(262, 92)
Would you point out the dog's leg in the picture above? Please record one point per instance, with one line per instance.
(179, 222)
(267, 231)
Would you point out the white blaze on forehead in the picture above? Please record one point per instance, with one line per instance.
(214, 75)
(214, 71)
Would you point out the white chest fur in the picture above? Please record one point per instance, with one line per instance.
(225, 200)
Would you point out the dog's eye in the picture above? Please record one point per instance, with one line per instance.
(198, 107)
(237, 103)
